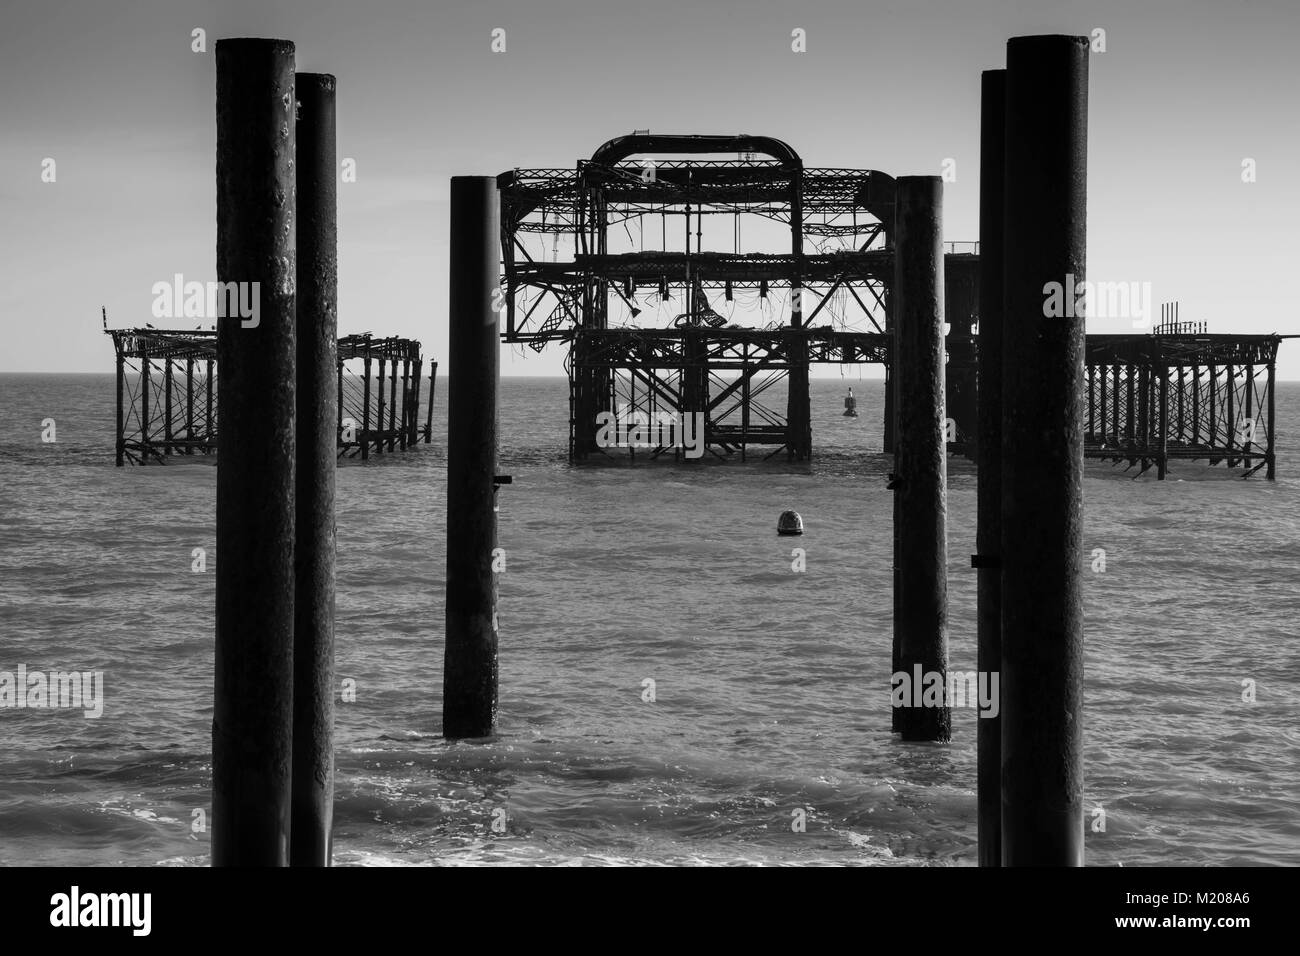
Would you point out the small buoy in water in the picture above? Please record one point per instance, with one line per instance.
(850, 405)
(789, 523)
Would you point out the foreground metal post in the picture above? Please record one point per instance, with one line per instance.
(469, 700)
(921, 474)
(317, 438)
(252, 723)
(1042, 446)
(988, 539)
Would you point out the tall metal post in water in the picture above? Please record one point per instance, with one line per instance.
(252, 724)
(921, 542)
(317, 440)
(470, 662)
(1042, 448)
(988, 535)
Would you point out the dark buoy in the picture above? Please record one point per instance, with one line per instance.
(850, 405)
(789, 523)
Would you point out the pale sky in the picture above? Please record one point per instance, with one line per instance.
(112, 92)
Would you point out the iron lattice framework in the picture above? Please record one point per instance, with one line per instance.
(686, 318)
(1179, 395)
(656, 322)
(167, 394)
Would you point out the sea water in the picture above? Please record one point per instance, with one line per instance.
(767, 739)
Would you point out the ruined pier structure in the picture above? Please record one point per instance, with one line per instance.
(167, 394)
(687, 284)
(1181, 394)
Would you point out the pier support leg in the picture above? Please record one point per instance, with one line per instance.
(1091, 387)
(1042, 463)
(317, 440)
(428, 415)
(392, 405)
(413, 424)
(209, 397)
(189, 406)
(921, 469)
(961, 399)
(1162, 448)
(695, 383)
(988, 534)
(365, 406)
(1270, 469)
(121, 386)
(146, 386)
(798, 405)
(379, 410)
(339, 403)
(1130, 409)
(1212, 429)
(167, 407)
(470, 664)
(1230, 428)
(252, 723)
(404, 428)
(1115, 401)
(1103, 390)
(1180, 431)
(1144, 410)
(1248, 423)
(1196, 406)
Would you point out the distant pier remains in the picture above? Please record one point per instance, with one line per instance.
(167, 395)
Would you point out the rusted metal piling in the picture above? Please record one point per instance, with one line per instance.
(252, 724)
(1042, 444)
(921, 463)
(317, 440)
(470, 660)
(988, 539)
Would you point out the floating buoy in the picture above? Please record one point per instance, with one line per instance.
(789, 523)
(850, 405)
